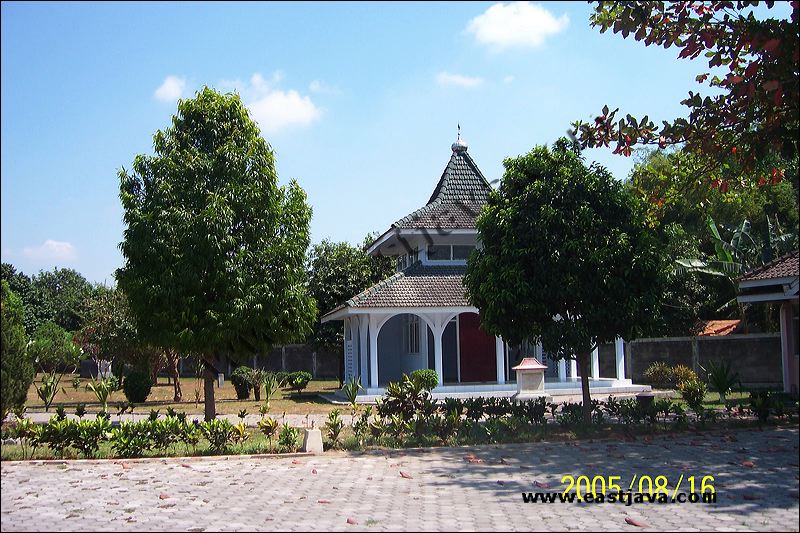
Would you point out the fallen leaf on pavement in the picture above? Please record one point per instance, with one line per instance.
(634, 522)
(403, 474)
(352, 521)
(163, 496)
(323, 501)
(541, 485)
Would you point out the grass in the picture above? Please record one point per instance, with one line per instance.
(161, 397)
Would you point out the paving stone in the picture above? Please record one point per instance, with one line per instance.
(445, 493)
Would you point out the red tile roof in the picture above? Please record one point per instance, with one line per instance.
(785, 266)
(717, 328)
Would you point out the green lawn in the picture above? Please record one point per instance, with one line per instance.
(161, 397)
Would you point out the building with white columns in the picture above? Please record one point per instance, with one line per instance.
(420, 317)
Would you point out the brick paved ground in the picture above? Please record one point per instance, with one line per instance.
(756, 476)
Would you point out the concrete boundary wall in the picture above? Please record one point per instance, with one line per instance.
(756, 357)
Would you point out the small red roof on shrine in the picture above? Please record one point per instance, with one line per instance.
(529, 363)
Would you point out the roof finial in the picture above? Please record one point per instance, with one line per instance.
(459, 145)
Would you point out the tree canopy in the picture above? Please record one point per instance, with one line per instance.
(751, 117)
(52, 348)
(566, 258)
(214, 248)
(336, 272)
(17, 368)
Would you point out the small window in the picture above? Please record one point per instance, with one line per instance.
(412, 330)
(439, 252)
(462, 252)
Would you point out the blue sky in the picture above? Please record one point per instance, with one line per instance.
(360, 102)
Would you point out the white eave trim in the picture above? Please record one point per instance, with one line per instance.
(399, 232)
(766, 297)
(347, 311)
(766, 282)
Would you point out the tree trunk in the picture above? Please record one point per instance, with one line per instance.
(341, 370)
(176, 378)
(209, 375)
(583, 368)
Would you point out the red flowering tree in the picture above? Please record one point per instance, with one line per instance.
(753, 68)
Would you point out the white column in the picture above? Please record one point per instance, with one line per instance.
(500, 354)
(362, 347)
(538, 353)
(573, 368)
(562, 370)
(619, 348)
(596, 363)
(373, 351)
(437, 353)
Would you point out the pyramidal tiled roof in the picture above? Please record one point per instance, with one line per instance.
(417, 286)
(457, 199)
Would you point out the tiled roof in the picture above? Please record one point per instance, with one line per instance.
(457, 199)
(785, 266)
(416, 286)
(717, 328)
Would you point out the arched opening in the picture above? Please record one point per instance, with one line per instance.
(405, 344)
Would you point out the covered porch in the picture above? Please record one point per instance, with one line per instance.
(380, 345)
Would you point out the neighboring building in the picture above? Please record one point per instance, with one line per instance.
(420, 317)
(778, 282)
(718, 328)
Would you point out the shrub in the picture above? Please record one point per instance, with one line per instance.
(659, 373)
(49, 387)
(89, 434)
(268, 426)
(58, 434)
(271, 386)
(102, 390)
(219, 433)
(241, 382)
(427, 378)
(288, 437)
(137, 386)
(333, 427)
(721, 377)
(350, 390)
(257, 377)
(403, 398)
(760, 404)
(681, 374)
(132, 439)
(17, 371)
(694, 392)
(299, 381)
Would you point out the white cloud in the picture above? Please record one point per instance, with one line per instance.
(274, 109)
(445, 78)
(518, 24)
(56, 251)
(321, 87)
(508, 79)
(171, 89)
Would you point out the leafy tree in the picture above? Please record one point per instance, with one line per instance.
(214, 249)
(752, 116)
(58, 296)
(17, 367)
(669, 181)
(336, 272)
(110, 334)
(52, 348)
(567, 258)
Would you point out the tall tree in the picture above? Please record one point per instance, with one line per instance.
(753, 71)
(214, 248)
(17, 372)
(567, 258)
(336, 272)
(60, 296)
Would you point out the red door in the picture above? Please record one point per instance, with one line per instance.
(478, 360)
